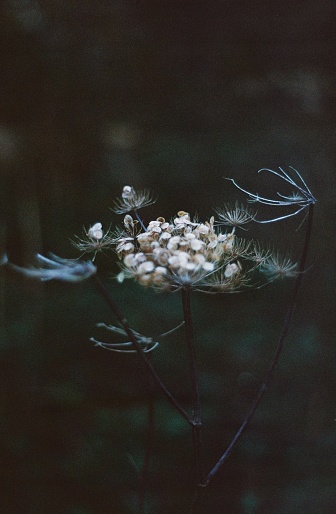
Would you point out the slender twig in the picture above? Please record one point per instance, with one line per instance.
(283, 336)
(197, 418)
(138, 217)
(124, 323)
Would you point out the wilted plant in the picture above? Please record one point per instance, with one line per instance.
(186, 255)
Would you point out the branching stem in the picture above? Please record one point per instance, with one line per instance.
(281, 343)
(124, 323)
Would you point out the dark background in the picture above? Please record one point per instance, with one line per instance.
(171, 96)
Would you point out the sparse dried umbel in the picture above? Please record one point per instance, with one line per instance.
(94, 240)
(132, 200)
(300, 198)
(275, 267)
(235, 217)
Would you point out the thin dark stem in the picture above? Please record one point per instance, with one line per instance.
(139, 220)
(197, 418)
(124, 323)
(282, 339)
(143, 478)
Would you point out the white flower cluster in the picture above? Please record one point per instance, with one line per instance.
(178, 253)
(185, 252)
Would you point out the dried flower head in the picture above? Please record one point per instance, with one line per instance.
(182, 253)
(235, 217)
(94, 240)
(132, 200)
(301, 197)
(277, 267)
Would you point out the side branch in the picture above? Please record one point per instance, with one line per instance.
(124, 323)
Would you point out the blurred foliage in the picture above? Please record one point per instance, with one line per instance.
(171, 96)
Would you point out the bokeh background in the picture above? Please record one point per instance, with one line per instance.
(172, 96)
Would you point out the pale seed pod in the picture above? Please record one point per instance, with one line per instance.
(95, 232)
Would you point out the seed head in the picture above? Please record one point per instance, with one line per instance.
(275, 267)
(235, 217)
(94, 240)
(182, 253)
(132, 200)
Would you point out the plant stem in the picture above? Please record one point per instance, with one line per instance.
(139, 220)
(282, 339)
(124, 323)
(197, 418)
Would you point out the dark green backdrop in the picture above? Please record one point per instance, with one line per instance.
(171, 96)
